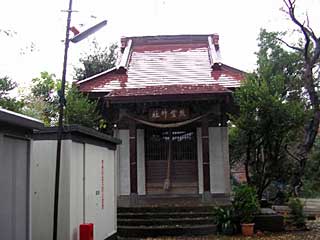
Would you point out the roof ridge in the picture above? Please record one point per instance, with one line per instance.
(214, 51)
(164, 39)
(124, 58)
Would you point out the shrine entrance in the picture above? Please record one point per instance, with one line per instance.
(171, 161)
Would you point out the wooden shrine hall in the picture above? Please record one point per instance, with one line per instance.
(167, 100)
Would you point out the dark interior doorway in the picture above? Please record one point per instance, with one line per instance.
(171, 161)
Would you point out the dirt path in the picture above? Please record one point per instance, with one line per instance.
(312, 234)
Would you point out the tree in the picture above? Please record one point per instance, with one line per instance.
(42, 102)
(311, 178)
(81, 110)
(6, 85)
(7, 102)
(309, 49)
(270, 115)
(99, 59)
(45, 86)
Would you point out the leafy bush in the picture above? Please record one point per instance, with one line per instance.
(246, 204)
(225, 220)
(81, 110)
(298, 217)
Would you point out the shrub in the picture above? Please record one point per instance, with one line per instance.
(296, 208)
(225, 220)
(246, 204)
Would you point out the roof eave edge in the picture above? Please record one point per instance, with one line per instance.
(96, 75)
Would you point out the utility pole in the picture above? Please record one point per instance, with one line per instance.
(62, 102)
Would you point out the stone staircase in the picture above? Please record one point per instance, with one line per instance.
(144, 222)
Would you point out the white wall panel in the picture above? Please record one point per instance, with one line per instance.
(100, 198)
(42, 188)
(76, 189)
(42, 174)
(87, 189)
(124, 163)
(14, 188)
(217, 171)
(225, 150)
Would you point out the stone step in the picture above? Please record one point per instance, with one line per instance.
(157, 231)
(164, 215)
(155, 209)
(166, 221)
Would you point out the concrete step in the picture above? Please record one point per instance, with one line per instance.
(143, 222)
(155, 209)
(164, 215)
(166, 221)
(165, 230)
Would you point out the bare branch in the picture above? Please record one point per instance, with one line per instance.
(291, 154)
(316, 54)
(311, 58)
(291, 7)
(290, 46)
(311, 32)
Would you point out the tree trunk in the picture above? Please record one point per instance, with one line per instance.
(310, 132)
(311, 57)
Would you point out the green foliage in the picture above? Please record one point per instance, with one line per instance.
(43, 101)
(274, 62)
(44, 86)
(39, 109)
(12, 104)
(98, 59)
(81, 110)
(296, 210)
(7, 102)
(245, 203)
(311, 179)
(271, 115)
(6, 85)
(225, 220)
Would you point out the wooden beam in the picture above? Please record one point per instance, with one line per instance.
(205, 152)
(133, 157)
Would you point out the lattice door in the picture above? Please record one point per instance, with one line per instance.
(171, 155)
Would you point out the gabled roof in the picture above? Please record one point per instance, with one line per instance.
(154, 65)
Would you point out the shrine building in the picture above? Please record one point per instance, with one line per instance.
(168, 100)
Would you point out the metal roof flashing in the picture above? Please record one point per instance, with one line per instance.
(78, 133)
(20, 120)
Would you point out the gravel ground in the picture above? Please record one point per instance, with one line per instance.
(312, 234)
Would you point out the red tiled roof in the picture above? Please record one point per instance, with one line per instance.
(162, 65)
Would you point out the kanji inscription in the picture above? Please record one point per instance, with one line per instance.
(168, 114)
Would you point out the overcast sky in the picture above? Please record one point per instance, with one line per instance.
(40, 28)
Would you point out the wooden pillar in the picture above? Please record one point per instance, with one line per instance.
(205, 153)
(133, 157)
